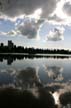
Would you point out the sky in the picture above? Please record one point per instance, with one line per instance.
(36, 23)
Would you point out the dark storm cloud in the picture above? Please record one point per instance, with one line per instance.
(67, 8)
(13, 8)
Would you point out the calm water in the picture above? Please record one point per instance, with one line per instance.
(52, 74)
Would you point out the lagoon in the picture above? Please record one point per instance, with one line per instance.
(52, 74)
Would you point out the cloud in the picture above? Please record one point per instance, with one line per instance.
(54, 17)
(55, 20)
(28, 28)
(62, 14)
(54, 11)
(67, 8)
(13, 8)
(56, 35)
(10, 33)
(3, 33)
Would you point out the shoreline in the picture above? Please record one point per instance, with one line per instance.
(44, 55)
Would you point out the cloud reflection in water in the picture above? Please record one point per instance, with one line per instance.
(54, 72)
(28, 79)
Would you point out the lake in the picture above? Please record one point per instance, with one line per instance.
(49, 73)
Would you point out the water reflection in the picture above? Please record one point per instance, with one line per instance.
(6, 78)
(12, 57)
(62, 96)
(23, 82)
(54, 72)
(24, 79)
(17, 98)
(27, 78)
(65, 99)
(9, 60)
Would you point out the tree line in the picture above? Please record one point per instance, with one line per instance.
(21, 49)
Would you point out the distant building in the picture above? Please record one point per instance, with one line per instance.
(10, 44)
(1, 44)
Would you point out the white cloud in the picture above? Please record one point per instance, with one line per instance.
(13, 33)
(56, 35)
(2, 33)
(10, 33)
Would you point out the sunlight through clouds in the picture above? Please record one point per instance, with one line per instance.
(28, 17)
(61, 14)
(36, 14)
